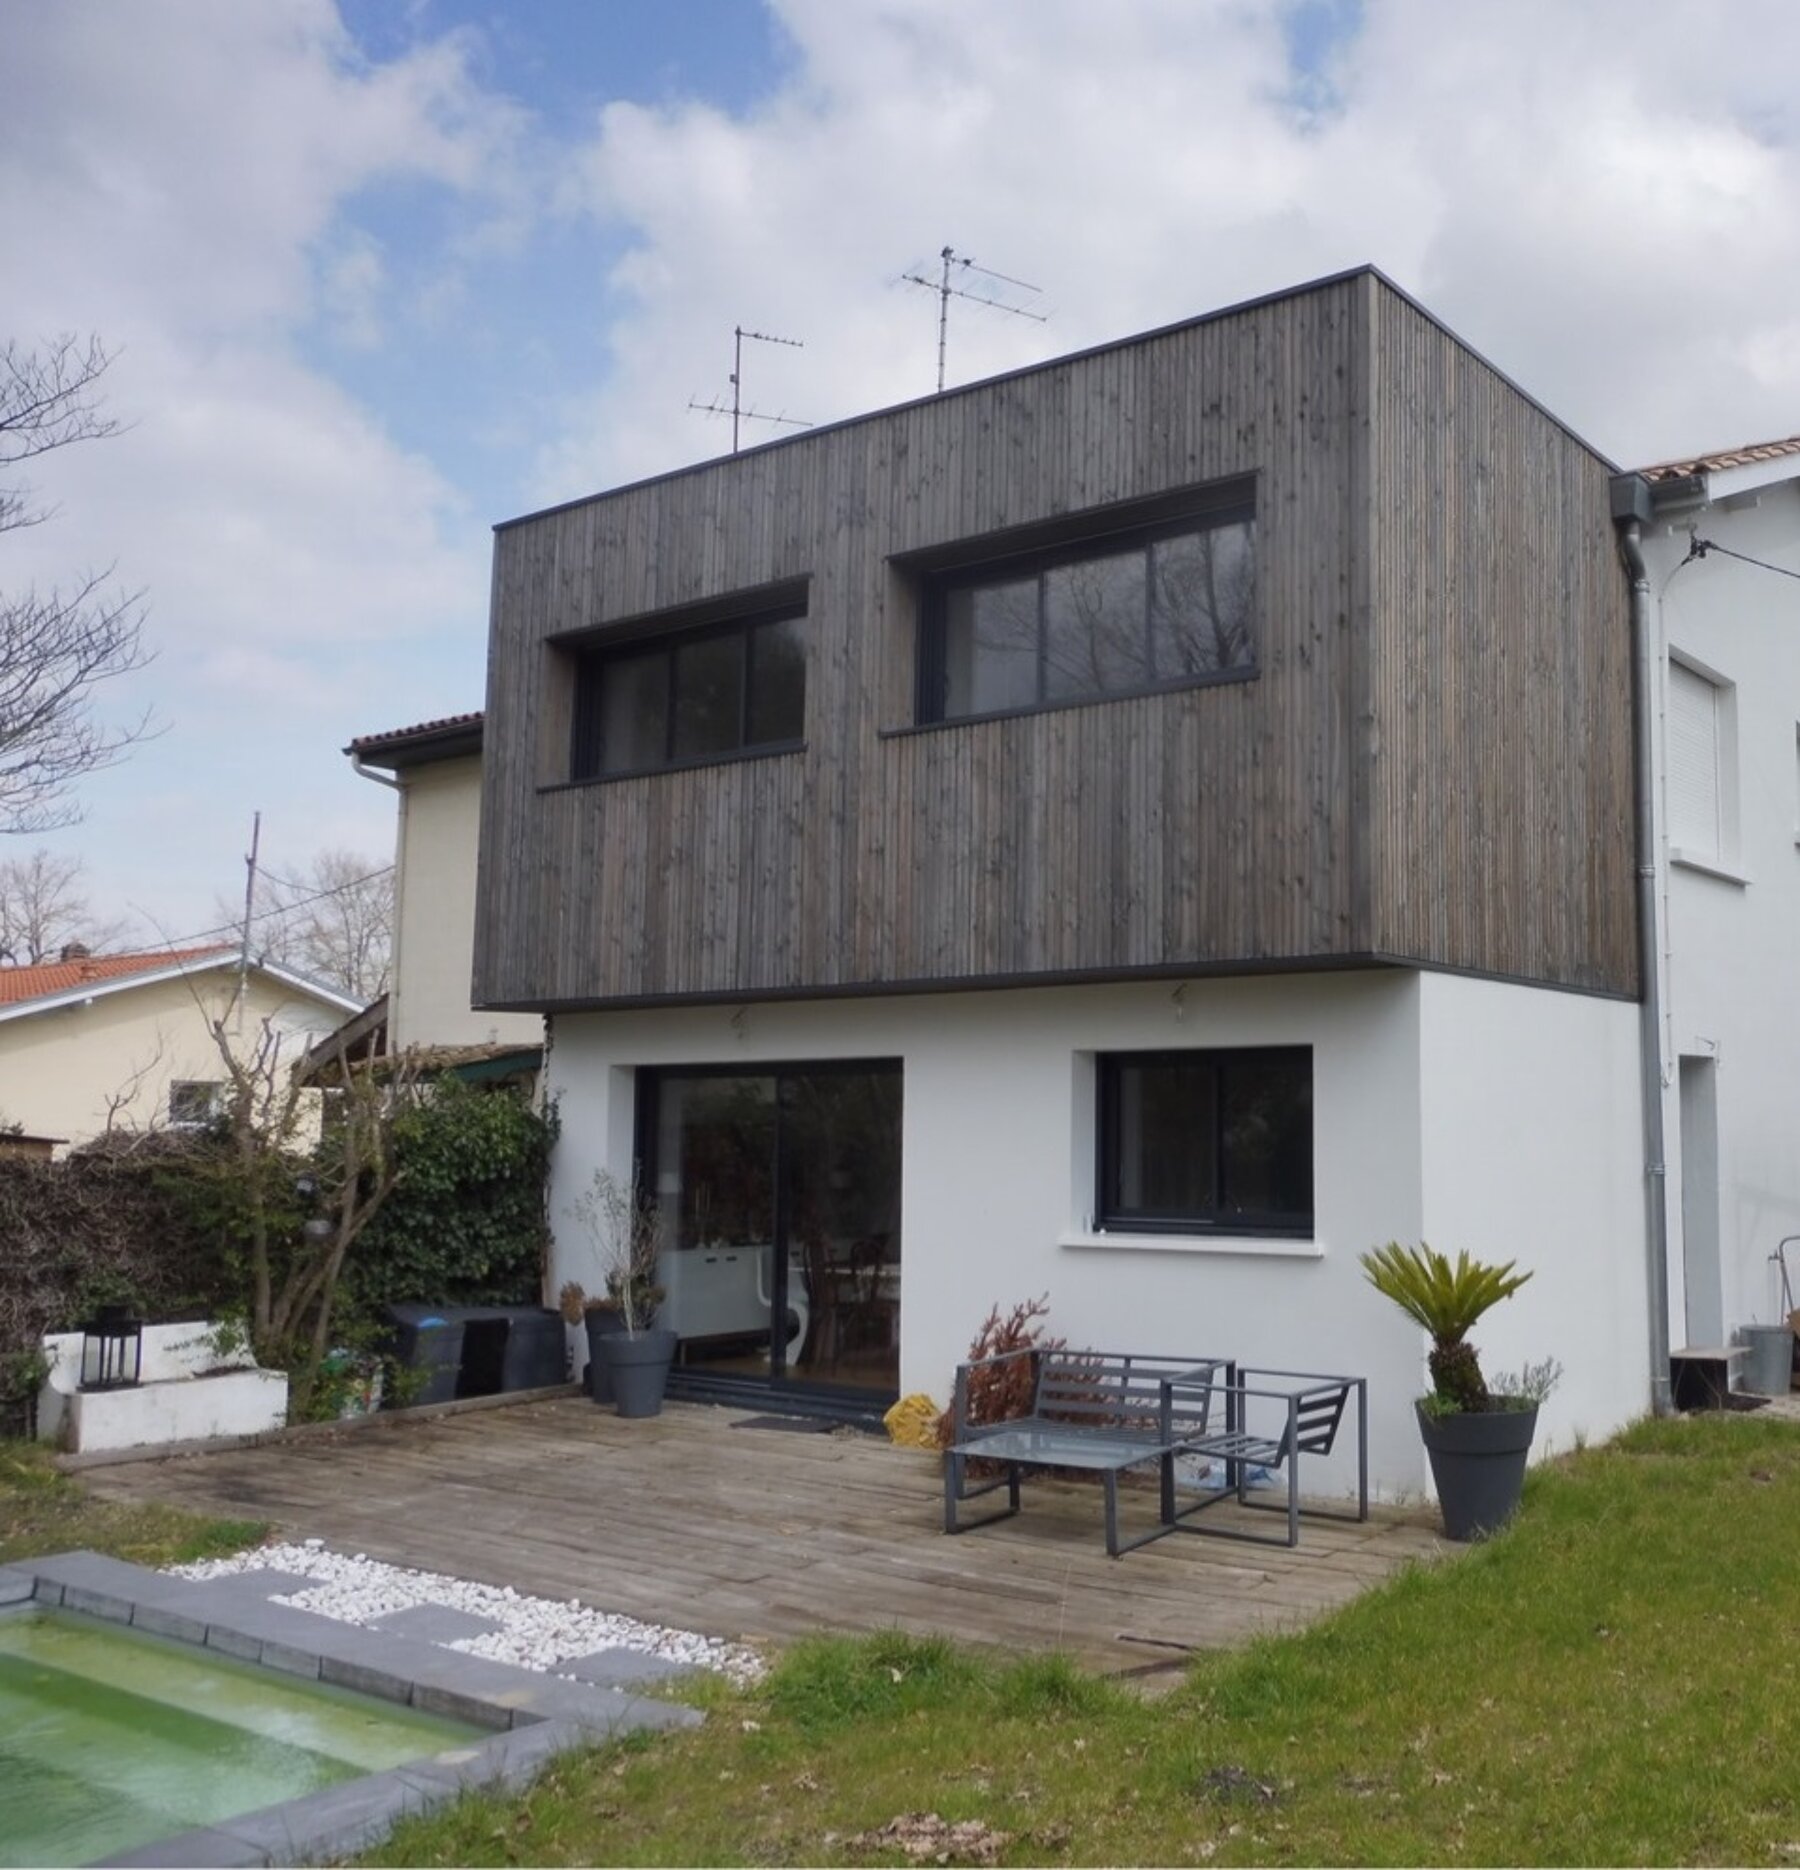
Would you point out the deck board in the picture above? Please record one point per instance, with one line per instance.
(749, 1533)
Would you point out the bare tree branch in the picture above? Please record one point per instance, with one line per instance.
(56, 647)
(332, 921)
(44, 909)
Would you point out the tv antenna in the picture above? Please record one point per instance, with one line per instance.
(737, 412)
(946, 292)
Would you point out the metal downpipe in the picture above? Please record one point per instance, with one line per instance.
(1650, 973)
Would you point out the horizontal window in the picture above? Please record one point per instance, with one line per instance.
(1160, 607)
(1206, 1140)
(702, 694)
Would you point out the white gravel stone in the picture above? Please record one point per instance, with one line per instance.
(533, 1632)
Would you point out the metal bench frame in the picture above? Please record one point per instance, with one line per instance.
(1110, 1411)
(1312, 1409)
(1104, 1411)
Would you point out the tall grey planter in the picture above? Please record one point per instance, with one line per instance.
(602, 1323)
(1478, 1464)
(638, 1365)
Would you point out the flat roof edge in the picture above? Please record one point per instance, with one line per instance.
(1236, 309)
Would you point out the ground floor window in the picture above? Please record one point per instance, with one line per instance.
(1206, 1141)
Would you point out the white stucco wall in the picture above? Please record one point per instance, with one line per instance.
(1732, 941)
(60, 1068)
(434, 936)
(1532, 1145)
(998, 1166)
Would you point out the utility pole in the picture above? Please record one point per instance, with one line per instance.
(249, 913)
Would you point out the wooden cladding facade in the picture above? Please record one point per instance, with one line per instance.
(1431, 764)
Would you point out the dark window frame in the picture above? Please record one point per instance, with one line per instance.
(1112, 1216)
(970, 572)
(587, 749)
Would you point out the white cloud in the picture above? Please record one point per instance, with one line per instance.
(179, 179)
(1604, 198)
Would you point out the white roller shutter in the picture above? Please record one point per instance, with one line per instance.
(1694, 822)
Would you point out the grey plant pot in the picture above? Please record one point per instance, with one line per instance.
(638, 1366)
(1478, 1464)
(601, 1324)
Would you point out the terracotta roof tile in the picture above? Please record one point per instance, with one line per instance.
(34, 983)
(1747, 456)
(365, 743)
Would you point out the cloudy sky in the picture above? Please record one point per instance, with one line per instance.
(380, 273)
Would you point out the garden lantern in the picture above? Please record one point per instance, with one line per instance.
(112, 1350)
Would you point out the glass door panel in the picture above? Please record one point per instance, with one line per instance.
(715, 1184)
(780, 1195)
(841, 1182)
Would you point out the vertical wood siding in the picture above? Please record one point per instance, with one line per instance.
(1501, 810)
(1306, 814)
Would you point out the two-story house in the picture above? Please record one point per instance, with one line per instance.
(1140, 829)
(433, 769)
(1718, 537)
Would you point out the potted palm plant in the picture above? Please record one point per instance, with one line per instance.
(634, 1355)
(1477, 1436)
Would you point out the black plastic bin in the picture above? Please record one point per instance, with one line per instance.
(429, 1338)
(479, 1350)
(537, 1348)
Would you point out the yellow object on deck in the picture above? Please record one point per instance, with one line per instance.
(912, 1422)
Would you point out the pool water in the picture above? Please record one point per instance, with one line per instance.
(110, 1738)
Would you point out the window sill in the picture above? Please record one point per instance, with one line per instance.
(1224, 678)
(1243, 1246)
(776, 751)
(1708, 867)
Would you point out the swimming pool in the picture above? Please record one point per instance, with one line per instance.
(112, 1738)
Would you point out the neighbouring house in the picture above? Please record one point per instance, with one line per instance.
(1141, 829)
(1720, 540)
(434, 769)
(90, 1043)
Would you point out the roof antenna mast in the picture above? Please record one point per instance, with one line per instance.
(946, 292)
(737, 412)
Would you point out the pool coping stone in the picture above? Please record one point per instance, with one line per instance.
(530, 1716)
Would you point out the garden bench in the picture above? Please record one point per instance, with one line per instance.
(1100, 1411)
(1108, 1412)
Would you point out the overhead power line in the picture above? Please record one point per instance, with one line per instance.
(1698, 548)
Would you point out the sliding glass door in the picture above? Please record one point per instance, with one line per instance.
(780, 1194)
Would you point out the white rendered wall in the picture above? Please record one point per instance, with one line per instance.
(73, 1071)
(1732, 965)
(434, 935)
(1533, 1151)
(998, 1167)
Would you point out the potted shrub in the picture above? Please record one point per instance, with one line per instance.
(1477, 1436)
(598, 1316)
(628, 1355)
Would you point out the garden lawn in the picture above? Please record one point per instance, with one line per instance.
(42, 1510)
(1614, 1680)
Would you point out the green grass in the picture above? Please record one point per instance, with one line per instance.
(1616, 1680)
(42, 1510)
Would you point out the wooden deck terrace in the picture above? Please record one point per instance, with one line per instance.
(709, 1519)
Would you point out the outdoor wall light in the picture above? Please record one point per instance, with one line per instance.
(112, 1350)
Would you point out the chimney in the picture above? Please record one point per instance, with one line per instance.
(75, 951)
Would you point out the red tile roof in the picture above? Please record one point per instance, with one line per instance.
(1747, 456)
(420, 730)
(34, 983)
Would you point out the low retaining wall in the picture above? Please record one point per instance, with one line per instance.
(189, 1391)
